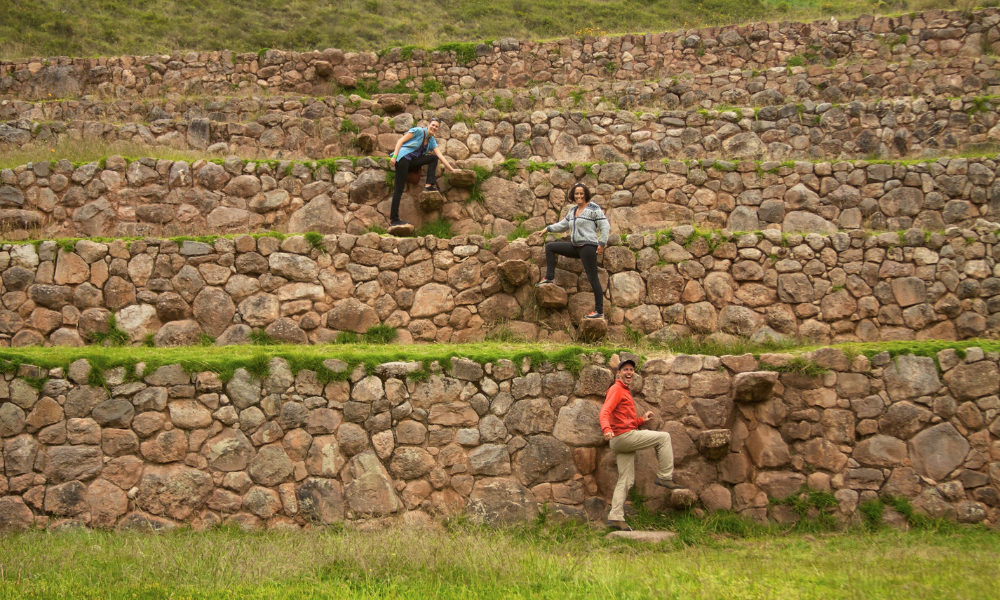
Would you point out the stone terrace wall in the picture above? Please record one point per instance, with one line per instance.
(510, 63)
(163, 198)
(842, 287)
(495, 441)
(868, 80)
(289, 129)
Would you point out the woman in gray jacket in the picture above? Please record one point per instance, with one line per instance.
(588, 229)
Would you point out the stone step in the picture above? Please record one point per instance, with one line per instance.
(644, 537)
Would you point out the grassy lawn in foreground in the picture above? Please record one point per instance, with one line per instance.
(464, 562)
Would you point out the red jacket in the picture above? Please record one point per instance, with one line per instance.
(618, 413)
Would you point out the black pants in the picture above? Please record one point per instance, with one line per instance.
(402, 168)
(587, 254)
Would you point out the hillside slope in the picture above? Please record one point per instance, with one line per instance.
(108, 27)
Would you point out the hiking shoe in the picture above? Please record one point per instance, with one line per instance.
(619, 526)
(545, 281)
(398, 223)
(667, 483)
(594, 315)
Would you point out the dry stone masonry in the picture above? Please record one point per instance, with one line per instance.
(704, 148)
(118, 198)
(496, 442)
(280, 128)
(886, 87)
(765, 286)
(510, 63)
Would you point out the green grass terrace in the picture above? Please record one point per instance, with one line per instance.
(254, 358)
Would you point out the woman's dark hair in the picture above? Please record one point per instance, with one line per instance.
(572, 192)
(433, 119)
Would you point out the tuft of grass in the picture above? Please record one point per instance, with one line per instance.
(347, 337)
(315, 240)
(871, 513)
(259, 337)
(348, 126)
(476, 193)
(464, 52)
(430, 85)
(259, 365)
(797, 365)
(520, 231)
(439, 228)
(380, 334)
(114, 335)
(376, 228)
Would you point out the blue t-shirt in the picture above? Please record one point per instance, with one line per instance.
(415, 142)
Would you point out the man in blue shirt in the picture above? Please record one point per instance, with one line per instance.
(414, 150)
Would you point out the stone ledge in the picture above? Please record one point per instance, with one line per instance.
(644, 537)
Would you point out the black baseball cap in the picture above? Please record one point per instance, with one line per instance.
(627, 361)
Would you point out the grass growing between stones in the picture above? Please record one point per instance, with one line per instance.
(535, 561)
(90, 150)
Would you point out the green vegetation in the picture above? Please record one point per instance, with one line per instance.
(59, 27)
(520, 231)
(720, 556)
(348, 126)
(439, 228)
(798, 365)
(259, 337)
(476, 193)
(378, 349)
(429, 86)
(113, 336)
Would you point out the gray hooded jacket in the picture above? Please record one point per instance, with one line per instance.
(590, 228)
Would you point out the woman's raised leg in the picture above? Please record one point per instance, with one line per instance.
(588, 254)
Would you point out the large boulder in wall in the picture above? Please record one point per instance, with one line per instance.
(500, 501)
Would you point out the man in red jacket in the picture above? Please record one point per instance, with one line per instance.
(620, 425)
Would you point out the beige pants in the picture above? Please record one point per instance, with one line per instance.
(625, 446)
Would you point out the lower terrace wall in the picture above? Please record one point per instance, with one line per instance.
(766, 286)
(289, 129)
(495, 442)
(150, 197)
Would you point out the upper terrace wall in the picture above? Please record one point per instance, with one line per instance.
(510, 63)
(496, 441)
(164, 198)
(287, 128)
